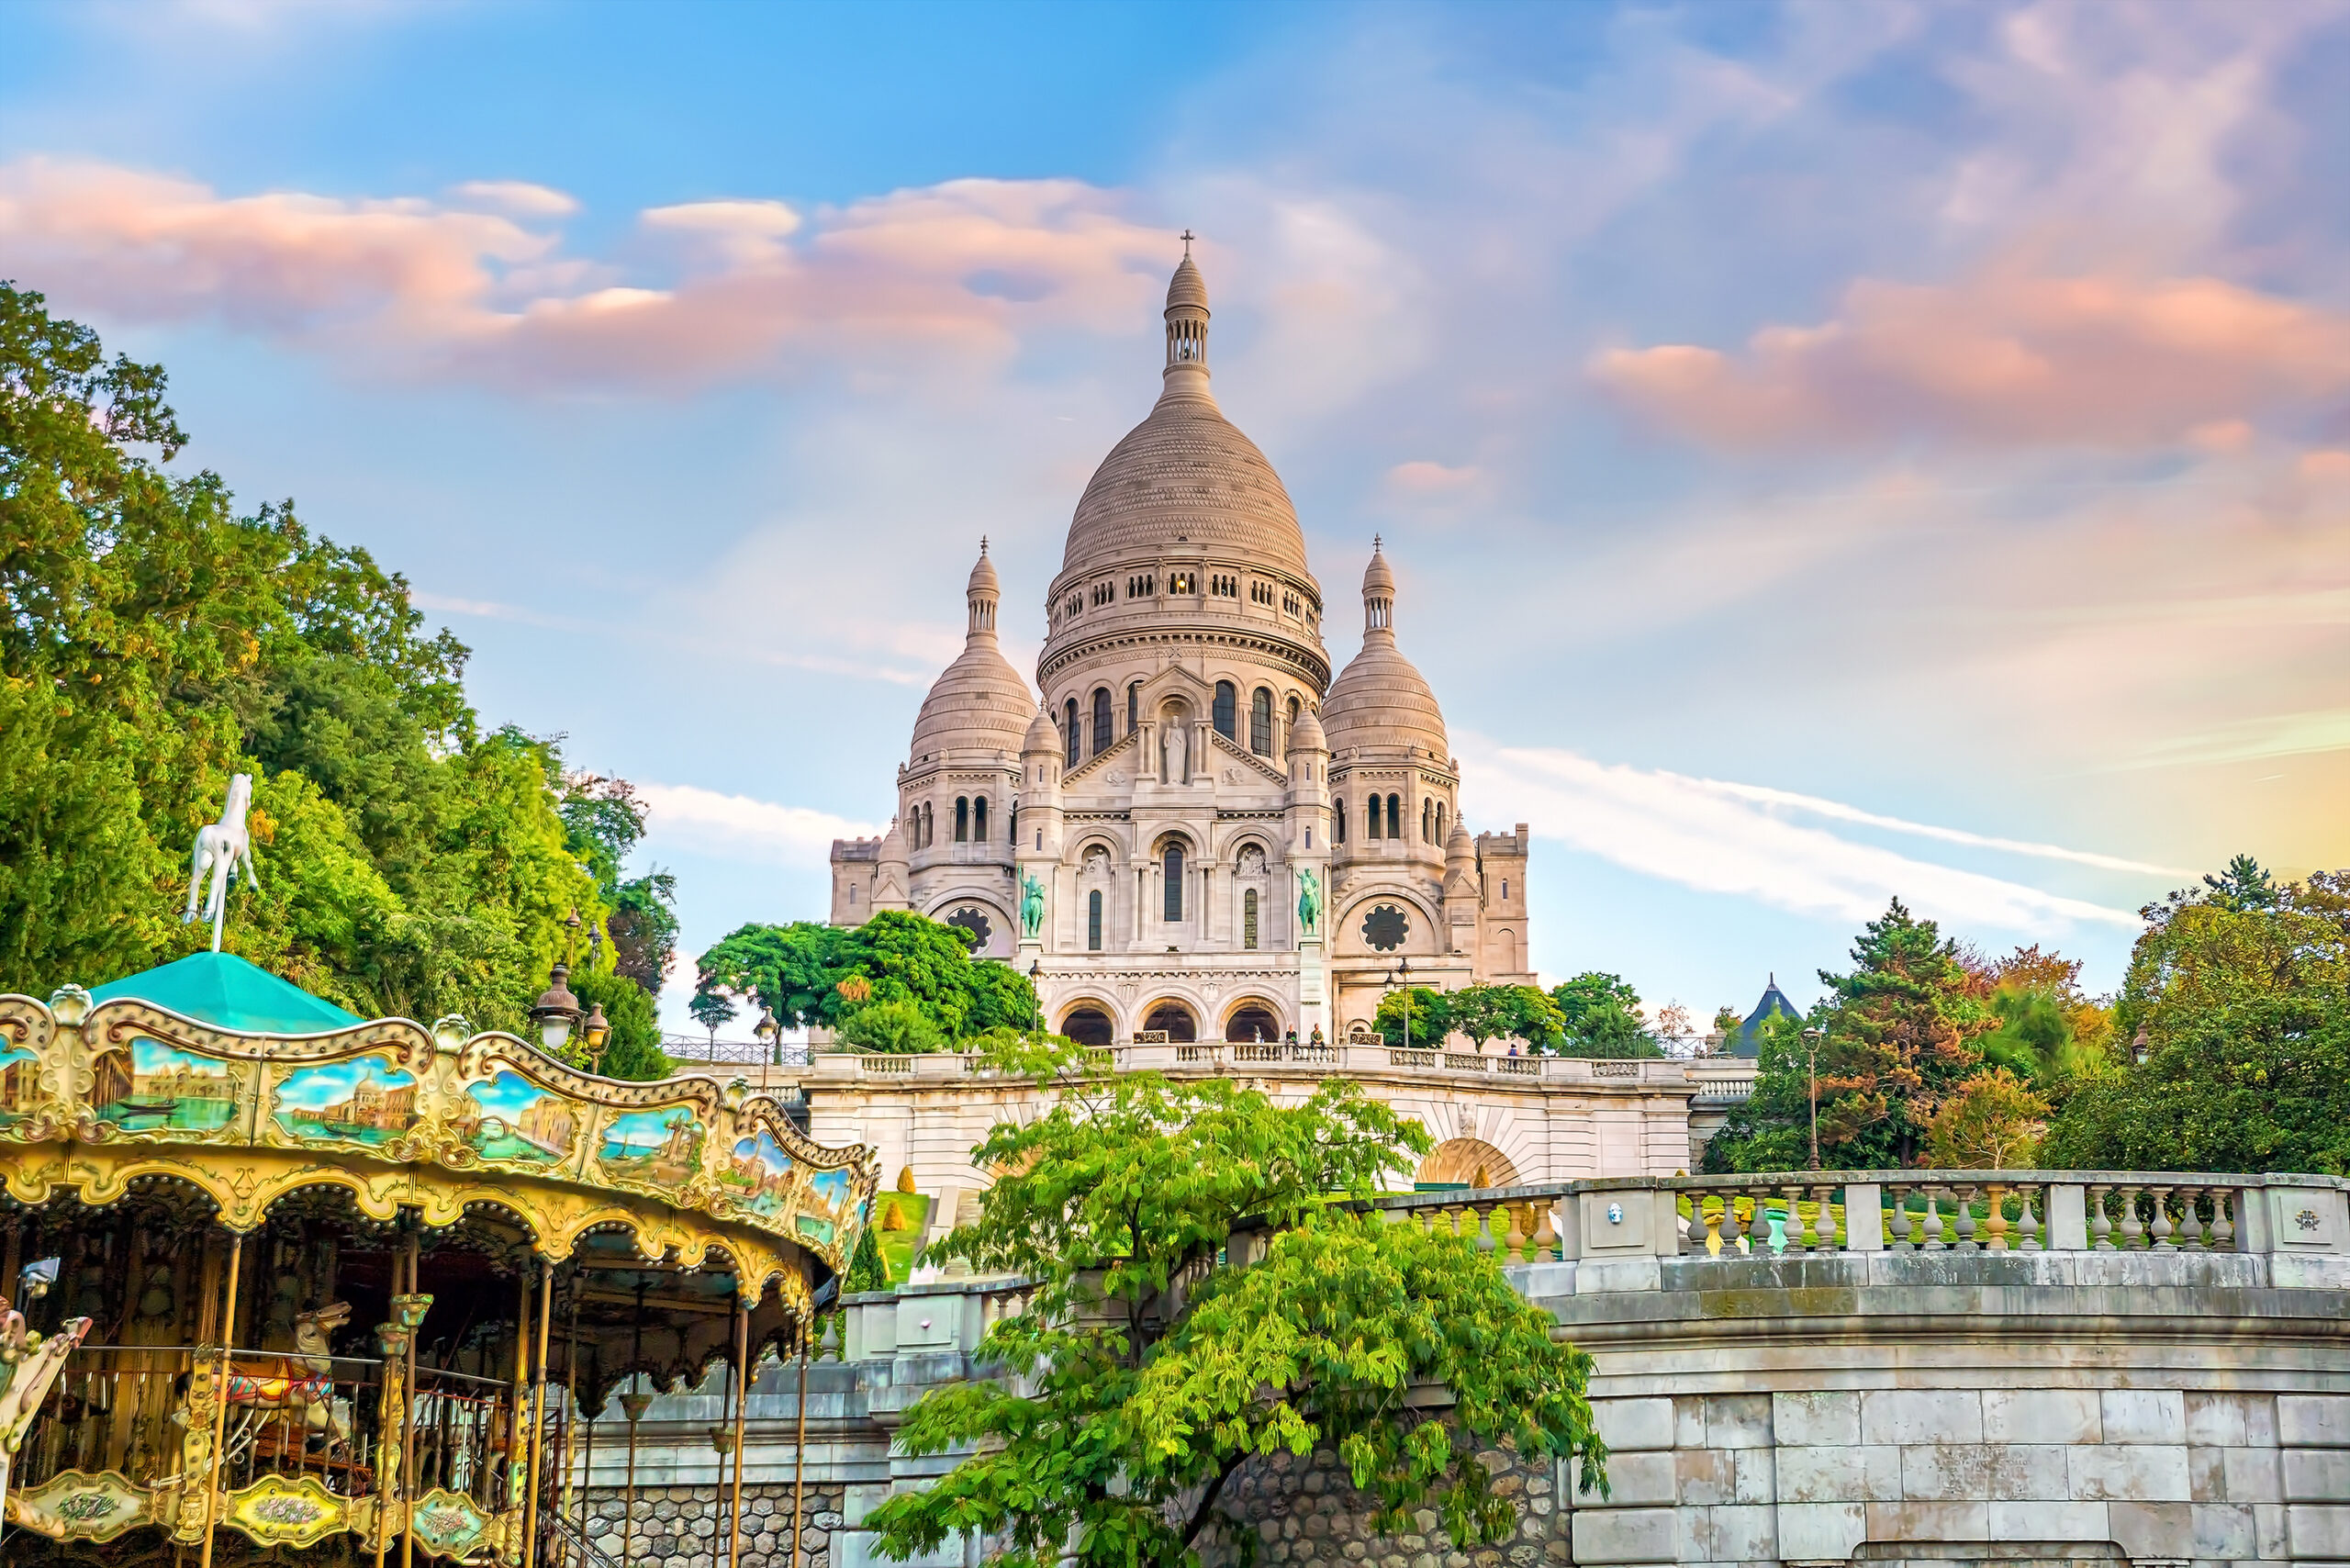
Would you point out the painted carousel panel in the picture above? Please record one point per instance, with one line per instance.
(154, 1088)
(514, 1121)
(366, 1101)
(658, 1150)
(286, 1510)
(77, 1506)
(449, 1524)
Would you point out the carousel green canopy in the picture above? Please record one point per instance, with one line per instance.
(224, 990)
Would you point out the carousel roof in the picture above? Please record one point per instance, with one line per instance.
(224, 990)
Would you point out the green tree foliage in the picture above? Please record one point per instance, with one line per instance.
(603, 823)
(796, 970)
(1901, 1032)
(1418, 1015)
(633, 1049)
(156, 643)
(1601, 1017)
(866, 1270)
(1508, 1013)
(1990, 1122)
(890, 1028)
(1139, 1398)
(2239, 992)
(2046, 1031)
(711, 1011)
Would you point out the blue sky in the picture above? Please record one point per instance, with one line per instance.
(1830, 451)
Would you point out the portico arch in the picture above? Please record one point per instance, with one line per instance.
(1090, 1023)
(1468, 1162)
(1250, 1017)
(1176, 1018)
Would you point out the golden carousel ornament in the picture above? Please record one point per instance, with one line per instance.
(294, 1279)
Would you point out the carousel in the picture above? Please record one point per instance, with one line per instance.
(289, 1280)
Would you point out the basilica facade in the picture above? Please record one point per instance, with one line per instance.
(1197, 830)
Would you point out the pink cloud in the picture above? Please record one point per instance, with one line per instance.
(2009, 357)
(480, 287)
(1423, 477)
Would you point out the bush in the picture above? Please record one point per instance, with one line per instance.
(890, 1028)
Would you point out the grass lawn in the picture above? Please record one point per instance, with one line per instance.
(899, 1222)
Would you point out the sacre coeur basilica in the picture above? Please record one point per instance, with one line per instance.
(1198, 831)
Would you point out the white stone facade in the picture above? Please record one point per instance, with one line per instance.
(1226, 843)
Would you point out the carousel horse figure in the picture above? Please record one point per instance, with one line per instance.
(301, 1383)
(29, 1367)
(220, 849)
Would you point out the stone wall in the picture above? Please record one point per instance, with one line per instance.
(684, 1527)
(1306, 1511)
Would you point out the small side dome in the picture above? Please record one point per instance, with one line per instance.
(978, 702)
(1042, 737)
(1381, 700)
(1306, 735)
(1457, 844)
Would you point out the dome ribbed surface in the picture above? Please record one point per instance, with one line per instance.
(1185, 473)
(978, 702)
(1187, 287)
(1381, 700)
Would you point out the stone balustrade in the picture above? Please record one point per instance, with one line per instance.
(2170, 1385)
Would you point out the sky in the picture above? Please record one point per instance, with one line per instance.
(1829, 452)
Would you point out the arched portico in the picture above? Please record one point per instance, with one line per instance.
(1468, 1162)
(1090, 1022)
(1174, 1015)
(1252, 1018)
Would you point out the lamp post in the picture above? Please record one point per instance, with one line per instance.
(1811, 1039)
(556, 1010)
(2138, 1046)
(1036, 989)
(1404, 969)
(771, 1034)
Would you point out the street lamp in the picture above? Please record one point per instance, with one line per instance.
(1036, 989)
(771, 1034)
(595, 1031)
(1811, 1039)
(556, 1010)
(2138, 1046)
(1403, 968)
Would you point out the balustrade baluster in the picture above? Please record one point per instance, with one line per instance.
(1514, 1244)
(1758, 1222)
(2224, 1224)
(1904, 1237)
(1967, 1242)
(2159, 1240)
(1546, 1235)
(2134, 1229)
(2028, 1224)
(1933, 1195)
(1793, 1194)
(2190, 1224)
(2100, 1228)
(1995, 1223)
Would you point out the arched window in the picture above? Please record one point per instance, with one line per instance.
(1093, 920)
(1011, 835)
(979, 819)
(1427, 820)
(1505, 890)
(1102, 736)
(1292, 710)
(1440, 822)
(929, 825)
(1371, 818)
(1338, 825)
(1134, 706)
(1261, 722)
(962, 819)
(1071, 725)
(1394, 816)
(1249, 920)
(1173, 869)
(1227, 705)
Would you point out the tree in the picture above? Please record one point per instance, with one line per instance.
(1991, 1122)
(2237, 990)
(867, 1271)
(632, 1050)
(796, 970)
(1419, 1015)
(1148, 1367)
(1602, 1017)
(1898, 1033)
(157, 642)
(1592, 992)
(2046, 1031)
(1727, 1024)
(711, 1009)
(1507, 1011)
(890, 1028)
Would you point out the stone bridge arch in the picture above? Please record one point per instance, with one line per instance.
(1468, 1162)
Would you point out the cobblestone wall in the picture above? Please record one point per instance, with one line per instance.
(1306, 1511)
(684, 1526)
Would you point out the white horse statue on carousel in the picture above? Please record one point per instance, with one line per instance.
(220, 849)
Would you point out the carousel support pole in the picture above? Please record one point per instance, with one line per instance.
(517, 1412)
(587, 1474)
(538, 1416)
(742, 1401)
(799, 1451)
(571, 1409)
(407, 1477)
(628, 1494)
(220, 1405)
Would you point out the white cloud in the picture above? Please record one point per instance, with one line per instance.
(704, 822)
(1729, 838)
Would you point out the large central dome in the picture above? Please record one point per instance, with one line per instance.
(1186, 472)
